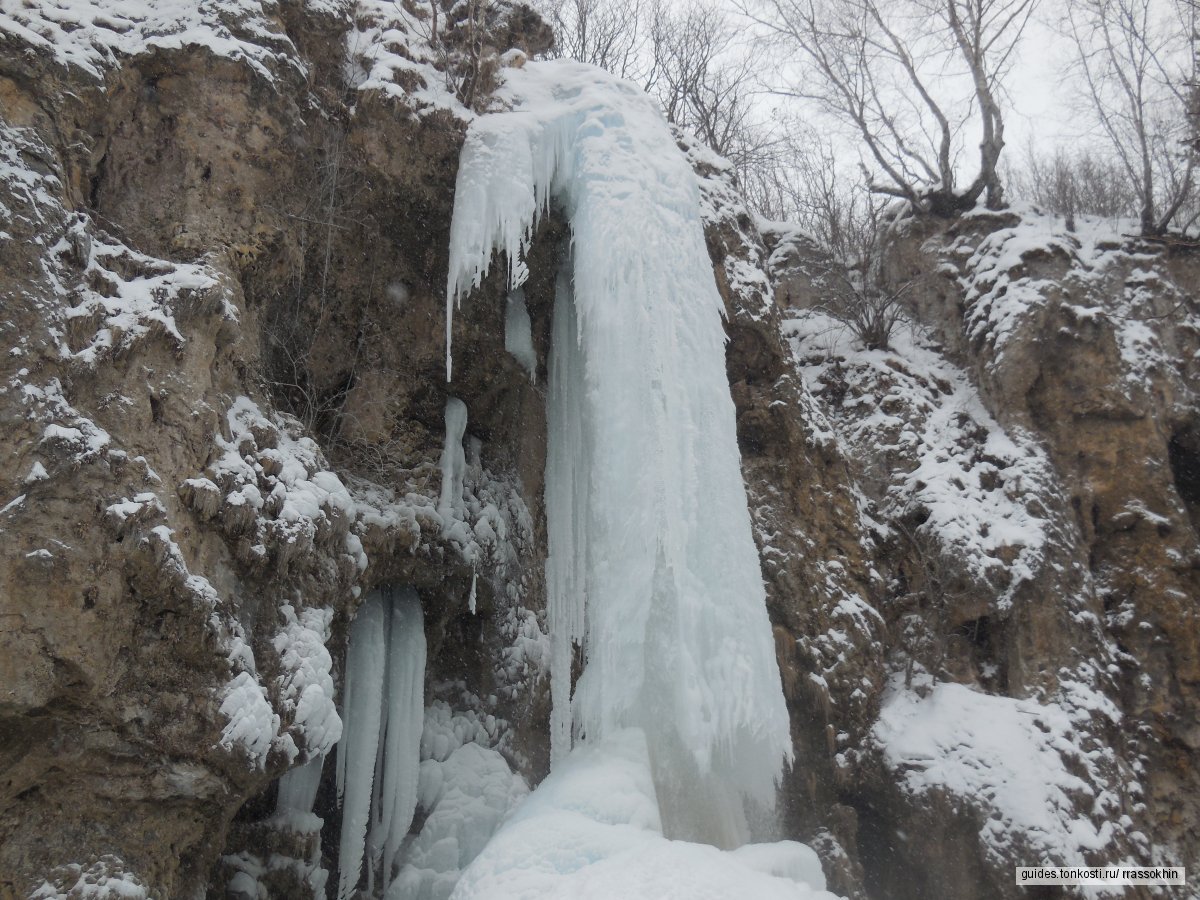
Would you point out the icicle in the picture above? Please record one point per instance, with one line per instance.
(518, 332)
(454, 461)
(357, 750)
(471, 598)
(298, 787)
(379, 753)
(406, 713)
(376, 833)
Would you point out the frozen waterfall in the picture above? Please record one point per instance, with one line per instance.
(678, 717)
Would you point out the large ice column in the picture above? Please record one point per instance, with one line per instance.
(652, 559)
(378, 757)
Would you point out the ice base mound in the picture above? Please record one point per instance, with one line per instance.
(592, 830)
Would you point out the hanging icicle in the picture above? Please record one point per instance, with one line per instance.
(378, 756)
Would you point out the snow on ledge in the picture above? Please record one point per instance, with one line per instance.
(93, 35)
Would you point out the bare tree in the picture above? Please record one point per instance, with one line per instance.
(616, 35)
(685, 55)
(1137, 59)
(706, 84)
(888, 71)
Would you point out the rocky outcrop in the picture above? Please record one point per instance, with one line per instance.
(1088, 339)
(221, 439)
(1018, 443)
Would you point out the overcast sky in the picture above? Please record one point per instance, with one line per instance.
(1045, 108)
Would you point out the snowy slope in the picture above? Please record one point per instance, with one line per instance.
(940, 458)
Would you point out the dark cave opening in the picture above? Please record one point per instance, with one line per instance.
(978, 632)
(982, 640)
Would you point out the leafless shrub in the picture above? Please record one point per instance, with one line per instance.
(852, 226)
(1071, 184)
(302, 305)
(616, 35)
(687, 56)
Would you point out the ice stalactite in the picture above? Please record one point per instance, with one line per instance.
(518, 332)
(454, 461)
(362, 705)
(378, 757)
(298, 788)
(652, 562)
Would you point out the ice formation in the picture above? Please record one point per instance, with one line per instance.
(518, 332)
(592, 829)
(298, 787)
(454, 460)
(378, 757)
(652, 563)
(465, 791)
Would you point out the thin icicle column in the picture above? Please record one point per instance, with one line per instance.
(378, 757)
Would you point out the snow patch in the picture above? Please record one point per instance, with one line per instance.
(1020, 759)
(105, 879)
(592, 829)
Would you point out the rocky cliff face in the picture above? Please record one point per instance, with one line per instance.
(223, 231)
(1020, 448)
